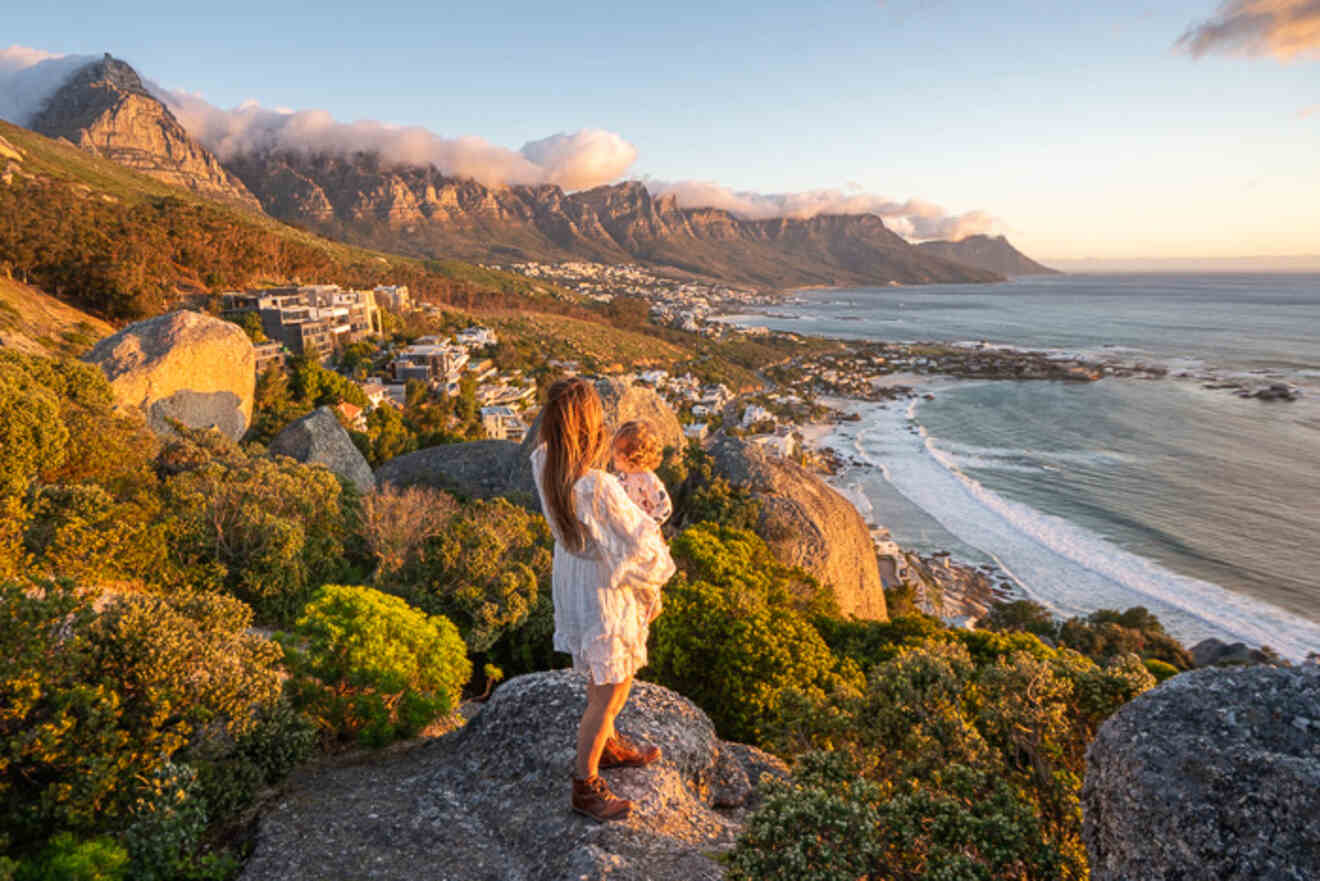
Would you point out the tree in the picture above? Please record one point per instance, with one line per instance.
(272, 530)
(485, 570)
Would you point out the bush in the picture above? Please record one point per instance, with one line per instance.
(274, 529)
(705, 497)
(93, 705)
(396, 523)
(485, 570)
(230, 775)
(958, 761)
(734, 634)
(66, 858)
(1160, 670)
(366, 665)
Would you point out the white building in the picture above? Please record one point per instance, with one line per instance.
(475, 337)
(755, 414)
(503, 423)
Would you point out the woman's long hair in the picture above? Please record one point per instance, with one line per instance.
(573, 431)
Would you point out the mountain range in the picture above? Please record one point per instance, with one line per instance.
(419, 211)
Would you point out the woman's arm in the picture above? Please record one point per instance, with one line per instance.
(629, 539)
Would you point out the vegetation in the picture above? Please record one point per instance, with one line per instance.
(735, 634)
(366, 665)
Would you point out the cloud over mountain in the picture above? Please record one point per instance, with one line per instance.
(578, 160)
(28, 77)
(1283, 29)
(914, 218)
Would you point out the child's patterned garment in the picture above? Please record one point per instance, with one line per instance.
(644, 488)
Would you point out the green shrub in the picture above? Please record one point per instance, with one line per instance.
(66, 858)
(485, 570)
(958, 761)
(366, 665)
(734, 633)
(275, 529)
(705, 497)
(93, 704)
(1160, 670)
(230, 775)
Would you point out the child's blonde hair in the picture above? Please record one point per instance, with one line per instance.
(638, 444)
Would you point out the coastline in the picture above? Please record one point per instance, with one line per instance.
(1063, 566)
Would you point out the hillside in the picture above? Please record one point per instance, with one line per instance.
(420, 211)
(38, 324)
(991, 253)
(123, 245)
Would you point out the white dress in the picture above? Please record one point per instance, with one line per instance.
(601, 594)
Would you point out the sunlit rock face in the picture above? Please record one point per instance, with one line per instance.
(182, 367)
(106, 109)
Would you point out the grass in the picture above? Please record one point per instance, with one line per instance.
(39, 319)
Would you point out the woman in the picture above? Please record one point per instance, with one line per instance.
(607, 551)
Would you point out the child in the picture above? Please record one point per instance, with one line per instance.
(636, 454)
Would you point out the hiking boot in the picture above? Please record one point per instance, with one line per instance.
(592, 798)
(620, 752)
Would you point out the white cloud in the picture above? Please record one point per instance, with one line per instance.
(1283, 29)
(28, 77)
(913, 218)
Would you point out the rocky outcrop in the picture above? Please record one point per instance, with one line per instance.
(1215, 774)
(184, 367)
(992, 253)
(807, 524)
(419, 210)
(107, 110)
(489, 802)
(319, 439)
(1215, 652)
(478, 469)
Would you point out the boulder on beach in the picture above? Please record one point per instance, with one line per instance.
(319, 439)
(1214, 774)
(182, 367)
(807, 524)
(490, 801)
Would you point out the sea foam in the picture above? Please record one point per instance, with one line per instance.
(1062, 565)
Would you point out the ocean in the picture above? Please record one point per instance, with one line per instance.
(1197, 504)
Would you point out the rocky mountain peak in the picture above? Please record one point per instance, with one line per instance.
(106, 109)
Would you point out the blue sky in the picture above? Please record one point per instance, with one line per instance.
(1083, 131)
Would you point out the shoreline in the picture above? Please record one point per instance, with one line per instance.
(1219, 613)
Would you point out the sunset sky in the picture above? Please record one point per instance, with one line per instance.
(1077, 131)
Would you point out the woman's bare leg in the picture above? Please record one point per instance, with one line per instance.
(597, 726)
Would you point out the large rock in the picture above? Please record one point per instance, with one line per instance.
(319, 439)
(490, 801)
(1215, 774)
(1213, 652)
(182, 366)
(479, 469)
(807, 524)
